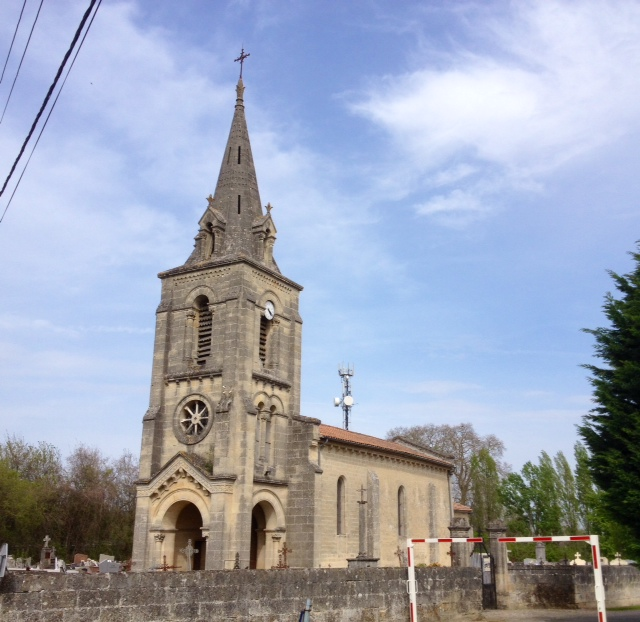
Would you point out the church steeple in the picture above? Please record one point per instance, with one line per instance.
(234, 225)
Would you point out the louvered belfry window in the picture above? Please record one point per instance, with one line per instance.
(204, 330)
(264, 332)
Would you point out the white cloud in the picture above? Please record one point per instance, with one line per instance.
(12, 323)
(441, 387)
(455, 208)
(553, 82)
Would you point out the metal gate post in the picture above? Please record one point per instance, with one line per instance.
(411, 582)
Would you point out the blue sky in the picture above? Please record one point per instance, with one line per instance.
(450, 183)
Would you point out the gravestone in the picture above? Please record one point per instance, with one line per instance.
(109, 566)
(4, 553)
(47, 555)
(578, 561)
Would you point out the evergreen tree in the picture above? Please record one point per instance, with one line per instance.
(485, 482)
(611, 430)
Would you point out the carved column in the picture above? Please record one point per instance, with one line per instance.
(189, 353)
(159, 538)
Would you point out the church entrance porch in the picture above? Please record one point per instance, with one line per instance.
(266, 536)
(184, 546)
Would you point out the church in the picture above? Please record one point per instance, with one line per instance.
(232, 475)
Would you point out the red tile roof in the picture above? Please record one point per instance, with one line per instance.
(354, 438)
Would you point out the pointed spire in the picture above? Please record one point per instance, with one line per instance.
(234, 224)
(237, 197)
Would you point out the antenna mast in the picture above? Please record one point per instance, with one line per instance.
(346, 401)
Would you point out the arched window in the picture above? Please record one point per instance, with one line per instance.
(204, 322)
(402, 512)
(340, 507)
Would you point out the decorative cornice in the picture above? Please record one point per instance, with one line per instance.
(198, 374)
(270, 482)
(228, 261)
(265, 377)
(381, 454)
(178, 468)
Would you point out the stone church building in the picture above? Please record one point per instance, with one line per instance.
(228, 462)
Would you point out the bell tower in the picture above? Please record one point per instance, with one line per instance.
(225, 387)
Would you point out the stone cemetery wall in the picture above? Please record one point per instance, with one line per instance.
(338, 595)
(571, 586)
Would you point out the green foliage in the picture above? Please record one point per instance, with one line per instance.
(86, 507)
(485, 484)
(533, 498)
(461, 442)
(611, 430)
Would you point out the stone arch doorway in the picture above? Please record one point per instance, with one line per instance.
(183, 521)
(266, 538)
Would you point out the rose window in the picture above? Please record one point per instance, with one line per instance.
(194, 418)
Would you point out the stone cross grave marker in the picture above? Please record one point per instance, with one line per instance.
(189, 552)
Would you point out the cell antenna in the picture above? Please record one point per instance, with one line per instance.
(346, 401)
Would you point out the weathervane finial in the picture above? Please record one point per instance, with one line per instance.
(240, 60)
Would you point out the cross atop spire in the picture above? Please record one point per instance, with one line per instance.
(240, 60)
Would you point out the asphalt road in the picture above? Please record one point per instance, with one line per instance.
(555, 615)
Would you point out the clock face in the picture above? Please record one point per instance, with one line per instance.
(269, 310)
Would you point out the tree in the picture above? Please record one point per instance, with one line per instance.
(611, 430)
(593, 517)
(98, 503)
(485, 485)
(32, 462)
(587, 495)
(88, 507)
(567, 495)
(462, 443)
(532, 499)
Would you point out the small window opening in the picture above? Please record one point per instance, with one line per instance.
(340, 507)
(239, 151)
(213, 238)
(267, 436)
(258, 428)
(402, 512)
(239, 202)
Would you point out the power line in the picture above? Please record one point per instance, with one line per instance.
(49, 92)
(26, 47)
(55, 101)
(15, 32)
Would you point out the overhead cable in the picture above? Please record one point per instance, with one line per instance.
(26, 47)
(53, 105)
(15, 32)
(49, 92)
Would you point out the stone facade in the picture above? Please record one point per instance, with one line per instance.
(227, 460)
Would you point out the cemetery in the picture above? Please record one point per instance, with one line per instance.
(107, 589)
